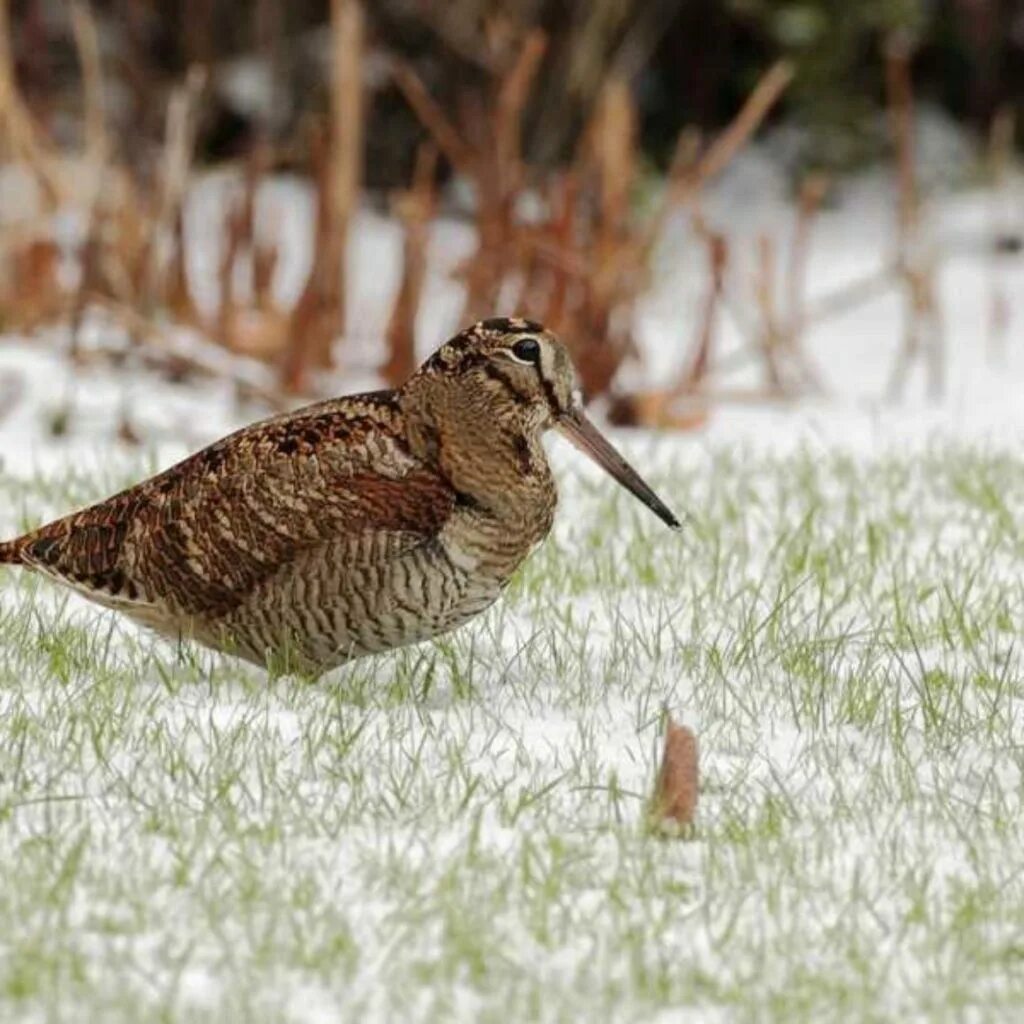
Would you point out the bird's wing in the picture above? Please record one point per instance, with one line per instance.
(199, 537)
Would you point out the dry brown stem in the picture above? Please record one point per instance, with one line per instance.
(347, 38)
(770, 315)
(433, 118)
(35, 296)
(699, 362)
(90, 270)
(693, 173)
(923, 335)
(612, 140)
(18, 132)
(177, 158)
(236, 228)
(901, 127)
(758, 105)
(513, 92)
(319, 316)
(178, 295)
(415, 207)
(314, 324)
(769, 337)
(253, 326)
(1001, 146)
(812, 194)
(87, 42)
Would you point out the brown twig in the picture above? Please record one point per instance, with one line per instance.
(513, 92)
(314, 324)
(347, 37)
(692, 174)
(17, 127)
(812, 194)
(901, 126)
(178, 294)
(923, 329)
(177, 157)
(90, 271)
(699, 362)
(87, 42)
(1000, 154)
(433, 118)
(769, 335)
(415, 207)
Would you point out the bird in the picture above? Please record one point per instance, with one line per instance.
(349, 527)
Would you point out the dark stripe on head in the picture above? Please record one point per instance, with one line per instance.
(455, 350)
(549, 392)
(495, 373)
(462, 342)
(510, 325)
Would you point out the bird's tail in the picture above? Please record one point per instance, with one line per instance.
(12, 552)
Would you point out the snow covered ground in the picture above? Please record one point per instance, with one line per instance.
(456, 831)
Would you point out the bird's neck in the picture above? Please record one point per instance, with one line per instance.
(485, 448)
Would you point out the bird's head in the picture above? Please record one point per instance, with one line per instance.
(514, 374)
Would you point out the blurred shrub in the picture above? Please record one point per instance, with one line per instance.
(691, 62)
(837, 48)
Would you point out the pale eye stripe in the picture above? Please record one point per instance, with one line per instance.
(512, 357)
(510, 353)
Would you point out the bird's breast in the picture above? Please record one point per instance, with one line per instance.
(493, 546)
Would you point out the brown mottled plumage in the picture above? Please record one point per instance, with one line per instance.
(349, 527)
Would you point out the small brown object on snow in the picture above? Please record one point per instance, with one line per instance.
(674, 802)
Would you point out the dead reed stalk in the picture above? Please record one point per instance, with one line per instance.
(347, 45)
(486, 149)
(916, 263)
(18, 132)
(699, 363)
(415, 208)
(179, 141)
(319, 316)
(314, 323)
(692, 171)
(83, 26)
(1001, 146)
(812, 193)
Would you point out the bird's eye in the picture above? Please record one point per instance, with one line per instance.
(527, 350)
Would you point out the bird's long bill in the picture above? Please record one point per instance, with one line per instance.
(578, 429)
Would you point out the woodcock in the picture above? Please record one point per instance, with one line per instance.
(349, 527)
